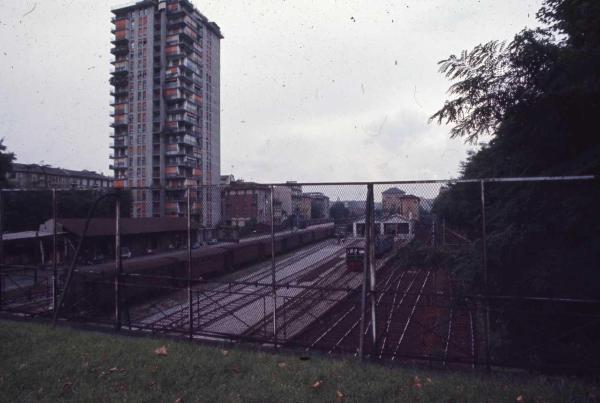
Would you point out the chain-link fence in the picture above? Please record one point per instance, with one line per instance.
(469, 273)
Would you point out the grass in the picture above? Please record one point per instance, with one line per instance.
(38, 363)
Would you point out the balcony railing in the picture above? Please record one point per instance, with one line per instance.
(119, 68)
(172, 94)
(120, 49)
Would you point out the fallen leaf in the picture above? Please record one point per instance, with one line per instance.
(235, 369)
(161, 351)
(520, 398)
(429, 380)
(281, 364)
(179, 400)
(418, 385)
(67, 386)
(339, 396)
(225, 352)
(113, 369)
(317, 384)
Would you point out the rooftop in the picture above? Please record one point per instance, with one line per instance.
(50, 170)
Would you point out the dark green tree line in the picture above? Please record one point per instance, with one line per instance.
(538, 99)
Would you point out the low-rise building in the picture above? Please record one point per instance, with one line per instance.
(396, 201)
(319, 206)
(246, 203)
(35, 176)
(305, 207)
(394, 225)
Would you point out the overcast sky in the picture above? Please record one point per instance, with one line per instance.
(310, 90)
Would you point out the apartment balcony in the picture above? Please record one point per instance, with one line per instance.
(120, 120)
(121, 91)
(174, 52)
(119, 68)
(187, 140)
(179, 21)
(182, 163)
(184, 33)
(182, 117)
(176, 172)
(188, 64)
(179, 83)
(174, 94)
(120, 37)
(120, 109)
(185, 106)
(120, 49)
(173, 149)
(118, 144)
(175, 9)
(119, 80)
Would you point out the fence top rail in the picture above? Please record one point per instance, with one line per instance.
(363, 183)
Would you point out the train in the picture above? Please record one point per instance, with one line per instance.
(152, 276)
(355, 254)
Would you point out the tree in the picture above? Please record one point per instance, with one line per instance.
(538, 97)
(6, 160)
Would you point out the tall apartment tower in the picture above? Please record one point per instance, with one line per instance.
(166, 108)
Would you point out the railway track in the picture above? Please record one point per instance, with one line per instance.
(415, 320)
(214, 305)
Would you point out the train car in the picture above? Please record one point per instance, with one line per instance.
(292, 242)
(243, 254)
(355, 257)
(307, 237)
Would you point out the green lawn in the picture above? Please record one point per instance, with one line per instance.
(41, 364)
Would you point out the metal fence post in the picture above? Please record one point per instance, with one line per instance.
(273, 279)
(189, 262)
(118, 265)
(371, 257)
(54, 263)
(485, 279)
(1, 245)
(366, 269)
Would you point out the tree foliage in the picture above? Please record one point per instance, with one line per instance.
(538, 98)
(6, 160)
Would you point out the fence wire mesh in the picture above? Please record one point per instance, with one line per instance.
(450, 273)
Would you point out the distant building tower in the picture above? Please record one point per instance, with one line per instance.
(166, 108)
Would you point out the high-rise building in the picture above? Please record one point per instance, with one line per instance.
(166, 108)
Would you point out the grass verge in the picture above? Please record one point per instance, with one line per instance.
(38, 363)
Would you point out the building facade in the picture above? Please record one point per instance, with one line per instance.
(319, 205)
(166, 109)
(246, 204)
(34, 176)
(396, 201)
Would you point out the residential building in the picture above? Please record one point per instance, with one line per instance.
(296, 191)
(35, 176)
(246, 204)
(319, 206)
(282, 200)
(305, 207)
(166, 109)
(396, 201)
